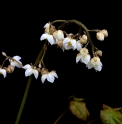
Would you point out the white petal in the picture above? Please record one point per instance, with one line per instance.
(46, 25)
(44, 36)
(26, 66)
(78, 45)
(3, 71)
(78, 57)
(51, 39)
(98, 68)
(89, 65)
(12, 63)
(101, 64)
(58, 35)
(36, 73)
(66, 40)
(85, 59)
(28, 72)
(68, 47)
(50, 78)
(73, 43)
(17, 65)
(54, 74)
(44, 76)
(17, 58)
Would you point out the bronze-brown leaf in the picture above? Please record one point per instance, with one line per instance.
(79, 110)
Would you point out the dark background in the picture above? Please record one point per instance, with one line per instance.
(21, 27)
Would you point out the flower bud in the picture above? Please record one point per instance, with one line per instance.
(10, 69)
(58, 35)
(44, 71)
(100, 36)
(84, 51)
(98, 53)
(105, 33)
(4, 54)
(95, 61)
(83, 39)
(59, 43)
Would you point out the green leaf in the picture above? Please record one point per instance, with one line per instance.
(78, 99)
(110, 116)
(79, 109)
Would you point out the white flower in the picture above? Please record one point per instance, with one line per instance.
(78, 45)
(69, 43)
(83, 56)
(3, 71)
(30, 70)
(14, 63)
(95, 63)
(59, 35)
(50, 76)
(48, 37)
(100, 36)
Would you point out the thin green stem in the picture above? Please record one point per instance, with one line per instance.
(40, 54)
(93, 121)
(60, 117)
(23, 100)
(62, 25)
(4, 62)
(57, 21)
(45, 49)
(76, 35)
(94, 30)
(26, 91)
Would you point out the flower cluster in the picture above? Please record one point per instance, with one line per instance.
(66, 42)
(76, 42)
(29, 69)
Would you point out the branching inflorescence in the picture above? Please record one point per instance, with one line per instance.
(64, 41)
